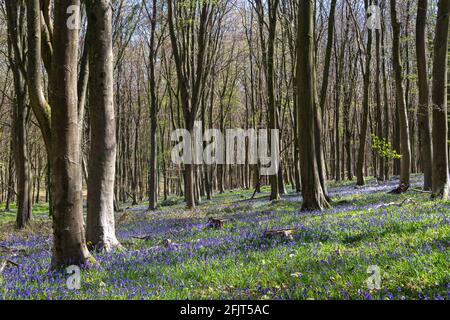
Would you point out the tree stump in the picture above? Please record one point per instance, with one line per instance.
(218, 223)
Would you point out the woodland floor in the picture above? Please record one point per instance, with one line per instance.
(326, 259)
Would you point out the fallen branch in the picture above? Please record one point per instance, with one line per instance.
(254, 193)
(145, 238)
(395, 204)
(420, 191)
(6, 262)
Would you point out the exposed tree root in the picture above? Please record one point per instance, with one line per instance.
(400, 189)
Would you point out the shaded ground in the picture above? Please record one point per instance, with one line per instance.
(326, 259)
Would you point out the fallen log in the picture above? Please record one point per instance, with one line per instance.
(144, 238)
(5, 249)
(281, 233)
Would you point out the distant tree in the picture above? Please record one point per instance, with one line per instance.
(153, 50)
(268, 58)
(323, 96)
(366, 108)
(17, 38)
(405, 149)
(424, 93)
(190, 25)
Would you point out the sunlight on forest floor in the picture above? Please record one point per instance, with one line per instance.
(327, 258)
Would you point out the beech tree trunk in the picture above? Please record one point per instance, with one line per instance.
(405, 148)
(439, 100)
(424, 94)
(100, 218)
(15, 15)
(273, 109)
(380, 169)
(268, 52)
(69, 243)
(23, 202)
(323, 96)
(313, 195)
(387, 112)
(153, 164)
(366, 108)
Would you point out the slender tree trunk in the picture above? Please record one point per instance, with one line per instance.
(323, 98)
(366, 109)
(15, 15)
(439, 100)
(385, 96)
(268, 52)
(10, 188)
(405, 147)
(23, 202)
(380, 168)
(424, 94)
(153, 164)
